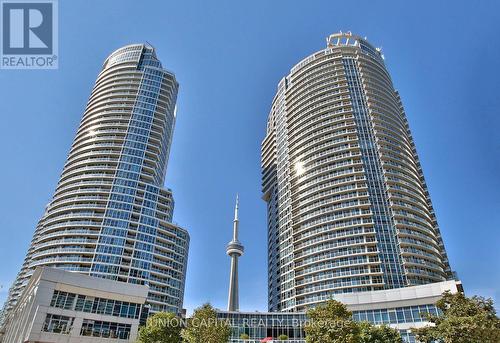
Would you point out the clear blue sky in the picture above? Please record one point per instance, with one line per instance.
(228, 57)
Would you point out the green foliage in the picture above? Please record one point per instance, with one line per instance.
(161, 328)
(378, 334)
(282, 337)
(244, 336)
(331, 323)
(204, 327)
(464, 320)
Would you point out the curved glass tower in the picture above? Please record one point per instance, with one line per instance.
(348, 207)
(110, 216)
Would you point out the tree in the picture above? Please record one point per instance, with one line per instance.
(204, 327)
(161, 328)
(331, 323)
(244, 336)
(463, 320)
(378, 334)
(282, 337)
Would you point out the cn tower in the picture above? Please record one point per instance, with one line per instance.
(234, 250)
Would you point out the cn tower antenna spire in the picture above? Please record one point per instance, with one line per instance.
(236, 220)
(234, 250)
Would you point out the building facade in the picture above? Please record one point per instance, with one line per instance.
(348, 207)
(110, 216)
(400, 308)
(60, 306)
(261, 325)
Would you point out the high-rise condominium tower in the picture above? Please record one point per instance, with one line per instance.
(110, 216)
(348, 207)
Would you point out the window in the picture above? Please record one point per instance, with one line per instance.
(90, 304)
(58, 324)
(98, 328)
(62, 300)
(392, 316)
(399, 315)
(80, 302)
